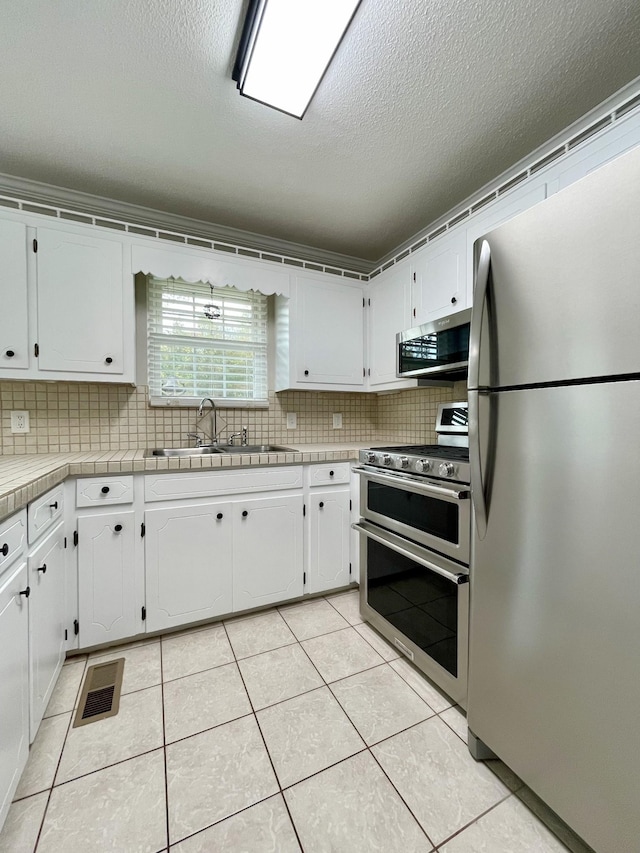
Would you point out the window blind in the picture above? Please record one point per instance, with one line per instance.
(206, 343)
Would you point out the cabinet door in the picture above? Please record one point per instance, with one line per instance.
(46, 621)
(267, 551)
(389, 313)
(14, 683)
(14, 330)
(107, 605)
(188, 564)
(329, 332)
(438, 278)
(329, 529)
(80, 303)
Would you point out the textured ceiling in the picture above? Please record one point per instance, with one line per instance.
(423, 104)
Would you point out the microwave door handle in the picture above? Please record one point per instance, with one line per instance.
(455, 577)
(479, 301)
(476, 431)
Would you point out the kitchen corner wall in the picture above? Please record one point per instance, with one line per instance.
(69, 416)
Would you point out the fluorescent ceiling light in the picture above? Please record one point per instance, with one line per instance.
(285, 48)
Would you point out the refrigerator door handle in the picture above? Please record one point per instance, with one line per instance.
(478, 496)
(479, 301)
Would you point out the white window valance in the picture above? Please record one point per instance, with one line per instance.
(215, 268)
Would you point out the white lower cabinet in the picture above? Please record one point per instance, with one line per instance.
(109, 602)
(267, 550)
(329, 528)
(47, 644)
(188, 563)
(14, 682)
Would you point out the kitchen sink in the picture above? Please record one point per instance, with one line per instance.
(256, 448)
(209, 449)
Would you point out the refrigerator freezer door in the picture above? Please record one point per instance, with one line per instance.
(554, 670)
(563, 299)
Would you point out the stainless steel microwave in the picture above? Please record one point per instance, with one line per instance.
(438, 350)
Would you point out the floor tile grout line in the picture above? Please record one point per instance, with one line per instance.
(453, 704)
(476, 819)
(164, 753)
(273, 768)
(64, 743)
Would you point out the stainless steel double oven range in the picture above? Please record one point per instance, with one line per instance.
(414, 556)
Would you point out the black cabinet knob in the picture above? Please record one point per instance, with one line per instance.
(42, 568)
(453, 300)
(4, 550)
(306, 373)
(118, 528)
(105, 490)
(321, 504)
(331, 473)
(244, 513)
(26, 592)
(9, 353)
(219, 516)
(108, 360)
(54, 505)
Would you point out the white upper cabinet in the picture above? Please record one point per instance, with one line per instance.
(438, 278)
(80, 304)
(68, 310)
(389, 312)
(320, 336)
(14, 323)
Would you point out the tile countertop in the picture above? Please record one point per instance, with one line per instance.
(25, 477)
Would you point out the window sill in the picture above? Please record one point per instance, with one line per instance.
(194, 402)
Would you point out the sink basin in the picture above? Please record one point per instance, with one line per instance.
(208, 449)
(256, 448)
(182, 451)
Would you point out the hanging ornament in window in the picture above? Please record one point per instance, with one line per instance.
(212, 311)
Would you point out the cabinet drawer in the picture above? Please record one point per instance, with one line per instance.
(13, 538)
(331, 472)
(104, 490)
(44, 512)
(159, 487)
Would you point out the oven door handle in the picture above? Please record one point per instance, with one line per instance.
(461, 494)
(368, 530)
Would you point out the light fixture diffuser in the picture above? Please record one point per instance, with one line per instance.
(286, 47)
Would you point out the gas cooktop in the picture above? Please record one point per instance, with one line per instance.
(439, 450)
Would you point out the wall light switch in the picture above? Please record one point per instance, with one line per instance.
(19, 422)
(292, 420)
(337, 420)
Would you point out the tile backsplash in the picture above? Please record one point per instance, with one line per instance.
(69, 416)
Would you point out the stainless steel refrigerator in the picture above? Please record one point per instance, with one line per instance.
(554, 418)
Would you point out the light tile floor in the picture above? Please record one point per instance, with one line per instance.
(295, 729)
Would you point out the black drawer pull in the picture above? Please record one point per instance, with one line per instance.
(105, 490)
(54, 505)
(453, 300)
(4, 550)
(306, 373)
(219, 516)
(321, 504)
(42, 568)
(9, 353)
(331, 473)
(244, 513)
(26, 592)
(108, 360)
(118, 528)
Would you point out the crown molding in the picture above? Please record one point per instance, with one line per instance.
(74, 200)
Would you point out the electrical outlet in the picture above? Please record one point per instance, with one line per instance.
(292, 420)
(337, 420)
(19, 422)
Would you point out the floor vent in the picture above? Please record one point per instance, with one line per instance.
(100, 697)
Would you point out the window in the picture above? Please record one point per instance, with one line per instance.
(205, 342)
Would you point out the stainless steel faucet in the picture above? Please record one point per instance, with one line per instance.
(214, 426)
(242, 435)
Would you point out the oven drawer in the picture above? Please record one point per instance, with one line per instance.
(435, 514)
(420, 602)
